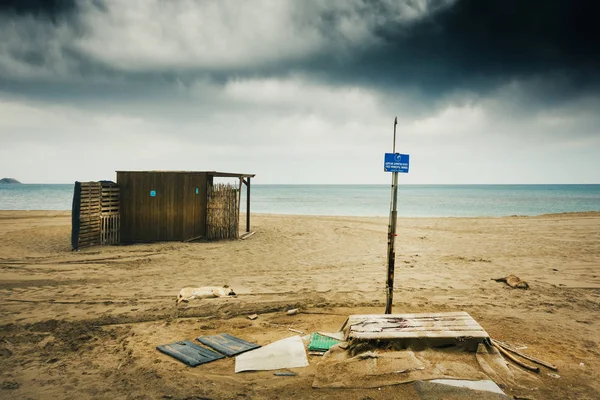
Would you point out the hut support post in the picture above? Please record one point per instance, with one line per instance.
(239, 202)
(248, 205)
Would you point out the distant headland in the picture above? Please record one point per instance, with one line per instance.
(8, 180)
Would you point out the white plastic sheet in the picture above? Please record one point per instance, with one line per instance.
(486, 386)
(286, 353)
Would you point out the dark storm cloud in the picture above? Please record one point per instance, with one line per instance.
(477, 44)
(255, 84)
(47, 8)
(436, 47)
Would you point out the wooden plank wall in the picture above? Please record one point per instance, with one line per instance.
(176, 212)
(194, 205)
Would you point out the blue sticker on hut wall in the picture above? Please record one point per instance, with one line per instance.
(189, 353)
(153, 193)
(197, 191)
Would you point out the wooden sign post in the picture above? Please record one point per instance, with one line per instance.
(391, 260)
(395, 163)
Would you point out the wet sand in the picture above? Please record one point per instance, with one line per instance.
(86, 324)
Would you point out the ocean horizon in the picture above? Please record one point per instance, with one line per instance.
(467, 200)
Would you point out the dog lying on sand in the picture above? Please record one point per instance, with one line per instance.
(513, 281)
(204, 292)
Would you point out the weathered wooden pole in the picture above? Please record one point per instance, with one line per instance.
(239, 199)
(392, 235)
(248, 206)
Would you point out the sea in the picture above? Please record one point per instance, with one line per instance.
(364, 200)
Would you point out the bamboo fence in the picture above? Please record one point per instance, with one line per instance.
(223, 216)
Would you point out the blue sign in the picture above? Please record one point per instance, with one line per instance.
(395, 162)
(153, 193)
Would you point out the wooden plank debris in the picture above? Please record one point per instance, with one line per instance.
(515, 359)
(247, 235)
(405, 329)
(526, 356)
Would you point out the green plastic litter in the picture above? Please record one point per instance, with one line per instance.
(319, 342)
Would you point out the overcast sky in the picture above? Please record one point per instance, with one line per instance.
(301, 91)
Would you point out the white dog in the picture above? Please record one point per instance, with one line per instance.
(205, 292)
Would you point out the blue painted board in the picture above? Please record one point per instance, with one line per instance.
(227, 344)
(189, 353)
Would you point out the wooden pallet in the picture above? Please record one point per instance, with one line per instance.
(422, 330)
(89, 211)
(97, 219)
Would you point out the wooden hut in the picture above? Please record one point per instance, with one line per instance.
(161, 206)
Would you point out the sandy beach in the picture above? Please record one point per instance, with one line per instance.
(86, 324)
